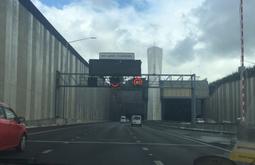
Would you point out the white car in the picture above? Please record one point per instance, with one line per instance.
(200, 120)
(123, 119)
(136, 120)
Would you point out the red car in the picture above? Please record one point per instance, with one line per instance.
(13, 132)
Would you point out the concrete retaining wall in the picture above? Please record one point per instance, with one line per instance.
(224, 103)
(31, 51)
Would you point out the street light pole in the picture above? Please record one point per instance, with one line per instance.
(87, 38)
(242, 67)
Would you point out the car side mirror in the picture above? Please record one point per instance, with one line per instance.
(20, 119)
(213, 160)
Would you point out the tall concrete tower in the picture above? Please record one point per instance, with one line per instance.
(154, 56)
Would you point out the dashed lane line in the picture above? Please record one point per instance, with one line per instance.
(158, 162)
(145, 148)
(47, 151)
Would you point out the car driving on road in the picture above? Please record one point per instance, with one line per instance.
(123, 119)
(136, 120)
(13, 132)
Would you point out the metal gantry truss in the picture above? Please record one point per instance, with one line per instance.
(149, 80)
(67, 80)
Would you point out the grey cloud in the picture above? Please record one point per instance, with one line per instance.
(220, 26)
(183, 51)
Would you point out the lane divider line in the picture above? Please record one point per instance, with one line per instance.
(47, 151)
(193, 140)
(158, 162)
(145, 148)
(53, 130)
(117, 143)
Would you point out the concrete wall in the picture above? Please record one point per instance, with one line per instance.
(224, 103)
(177, 89)
(31, 51)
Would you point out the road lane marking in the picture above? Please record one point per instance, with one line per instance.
(117, 143)
(47, 151)
(192, 139)
(150, 154)
(158, 162)
(145, 148)
(197, 141)
(54, 130)
(138, 141)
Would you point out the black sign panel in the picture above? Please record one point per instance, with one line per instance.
(92, 82)
(108, 67)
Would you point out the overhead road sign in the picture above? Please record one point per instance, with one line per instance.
(107, 67)
(116, 56)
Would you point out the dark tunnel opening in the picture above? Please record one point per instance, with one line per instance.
(176, 109)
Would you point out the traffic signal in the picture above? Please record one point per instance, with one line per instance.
(138, 81)
(115, 81)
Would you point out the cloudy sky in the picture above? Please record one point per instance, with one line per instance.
(197, 36)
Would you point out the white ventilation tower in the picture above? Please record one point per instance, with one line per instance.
(154, 67)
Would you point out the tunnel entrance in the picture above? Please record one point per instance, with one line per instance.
(130, 98)
(127, 103)
(176, 109)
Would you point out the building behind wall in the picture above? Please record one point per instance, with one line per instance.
(154, 55)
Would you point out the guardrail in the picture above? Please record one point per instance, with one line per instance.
(57, 122)
(41, 122)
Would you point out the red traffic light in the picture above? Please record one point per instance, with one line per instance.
(115, 85)
(137, 81)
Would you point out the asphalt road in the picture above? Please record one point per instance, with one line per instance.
(112, 143)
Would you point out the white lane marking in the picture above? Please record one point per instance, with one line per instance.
(194, 140)
(54, 130)
(138, 141)
(158, 162)
(145, 148)
(150, 154)
(118, 143)
(197, 141)
(47, 151)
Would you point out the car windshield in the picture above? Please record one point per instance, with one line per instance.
(137, 118)
(148, 82)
